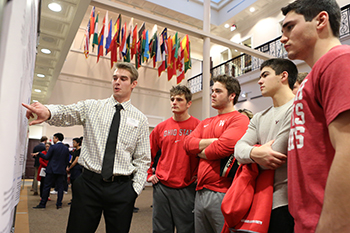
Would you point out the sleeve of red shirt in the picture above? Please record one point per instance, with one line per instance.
(191, 142)
(225, 145)
(153, 138)
(43, 162)
(334, 86)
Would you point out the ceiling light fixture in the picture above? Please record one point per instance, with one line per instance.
(41, 75)
(252, 9)
(233, 27)
(227, 25)
(245, 93)
(46, 51)
(35, 101)
(55, 7)
(37, 90)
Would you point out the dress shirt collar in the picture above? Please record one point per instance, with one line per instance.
(125, 104)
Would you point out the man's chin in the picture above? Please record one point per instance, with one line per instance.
(214, 106)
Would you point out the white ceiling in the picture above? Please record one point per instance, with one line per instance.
(59, 29)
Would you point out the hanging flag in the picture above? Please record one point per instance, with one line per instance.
(115, 40)
(188, 64)
(146, 52)
(105, 20)
(142, 29)
(180, 66)
(109, 37)
(150, 47)
(95, 40)
(153, 51)
(171, 60)
(176, 45)
(163, 39)
(143, 45)
(131, 27)
(87, 39)
(126, 54)
(92, 22)
(138, 55)
(122, 47)
(100, 41)
(158, 51)
(185, 47)
(170, 46)
(118, 28)
(113, 48)
(133, 42)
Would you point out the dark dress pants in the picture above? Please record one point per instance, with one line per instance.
(42, 183)
(51, 179)
(92, 197)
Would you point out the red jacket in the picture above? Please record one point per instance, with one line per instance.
(248, 202)
(43, 164)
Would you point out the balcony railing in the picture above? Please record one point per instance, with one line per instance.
(245, 63)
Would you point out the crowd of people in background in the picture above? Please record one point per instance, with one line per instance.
(283, 170)
(52, 162)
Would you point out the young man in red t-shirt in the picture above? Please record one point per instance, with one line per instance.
(175, 173)
(212, 140)
(319, 140)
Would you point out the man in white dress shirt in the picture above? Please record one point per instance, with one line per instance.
(94, 194)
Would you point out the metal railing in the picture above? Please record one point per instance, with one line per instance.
(245, 63)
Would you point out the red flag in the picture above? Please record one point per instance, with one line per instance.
(171, 60)
(100, 40)
(113, 48)
(92, 22)
(133, 42)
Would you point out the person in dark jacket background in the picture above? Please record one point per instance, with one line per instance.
(58, 156)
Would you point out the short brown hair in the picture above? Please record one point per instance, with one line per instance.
(232, 85)
(129, 67)
(181, 90)
(310, 9)
(301, 77)
(247, 112)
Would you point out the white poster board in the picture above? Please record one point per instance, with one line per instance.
(17, 59)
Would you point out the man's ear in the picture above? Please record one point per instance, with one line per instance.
(133, 84)
(232, 96)
(322, 20)
(284, 77)
(189, 104)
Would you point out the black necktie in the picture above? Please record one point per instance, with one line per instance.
(108, 159)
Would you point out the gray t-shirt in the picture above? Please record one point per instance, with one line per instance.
(270, 124)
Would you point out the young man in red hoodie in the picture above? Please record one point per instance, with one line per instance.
(175, 174)
(212, 140)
